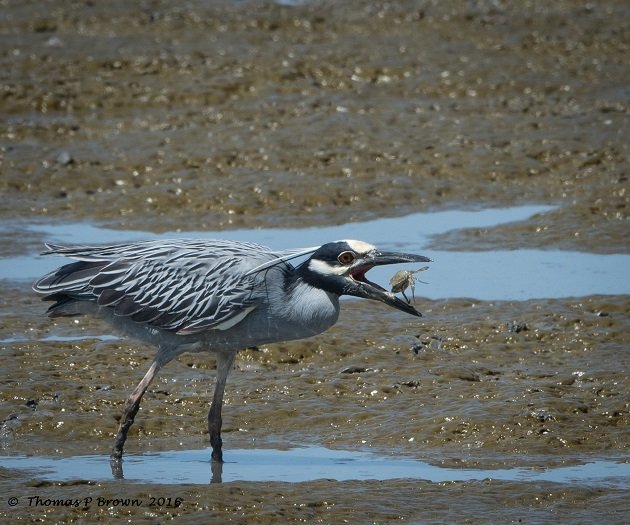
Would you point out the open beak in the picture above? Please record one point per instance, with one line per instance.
(360, 286)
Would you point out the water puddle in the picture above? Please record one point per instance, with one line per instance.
(60, 339)
(298, 465)
(484, 275)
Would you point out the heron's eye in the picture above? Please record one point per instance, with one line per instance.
(346, 257)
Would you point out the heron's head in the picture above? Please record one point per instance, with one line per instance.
(339, 267)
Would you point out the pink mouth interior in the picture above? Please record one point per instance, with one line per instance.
(358, 274)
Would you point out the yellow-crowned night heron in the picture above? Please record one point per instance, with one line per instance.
(212, 295)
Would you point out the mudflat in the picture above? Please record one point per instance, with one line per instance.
(165, 117)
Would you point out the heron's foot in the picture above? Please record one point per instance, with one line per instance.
(217, 453)
(116, 453)
(119, 444)
(115, 459)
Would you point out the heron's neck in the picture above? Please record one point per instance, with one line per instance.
(310, 305)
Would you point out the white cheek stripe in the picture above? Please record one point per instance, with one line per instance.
(323, 268)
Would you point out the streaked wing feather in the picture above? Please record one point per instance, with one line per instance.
(168, 295)
(110, 297)
(186, 286)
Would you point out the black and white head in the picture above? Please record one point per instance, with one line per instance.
(339, 267)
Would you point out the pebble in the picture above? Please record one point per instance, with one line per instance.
(64, 158)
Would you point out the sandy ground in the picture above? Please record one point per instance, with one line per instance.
(163, 116)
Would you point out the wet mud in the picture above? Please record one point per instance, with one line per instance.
(165, 116)
(473, 385)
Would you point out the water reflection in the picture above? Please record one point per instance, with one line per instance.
(299, 465)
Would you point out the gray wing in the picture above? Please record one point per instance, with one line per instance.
(185, 286)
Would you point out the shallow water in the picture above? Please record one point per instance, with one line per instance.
(60, 338)
(300, 465)
(484, 275)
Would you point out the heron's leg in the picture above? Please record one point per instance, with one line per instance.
(224, 365)
(131, 409)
